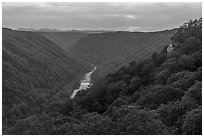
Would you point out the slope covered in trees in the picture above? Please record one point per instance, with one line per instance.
(157, 95)
(35, 70)
(64, 39)
(111, 50)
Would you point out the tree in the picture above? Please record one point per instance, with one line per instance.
(162, 76)
(140, 122)
(66, 107)
(126, 78)
(195, 92)
(132, 65)
(135, 82)
(160, 95)
(189, 29)
(117, 103)
(171, 65)
(95, 124)
(24, 126)
(160, 59)
(190, 46)
(197, 56)
(187, 63)
(78, 113)
(182, 80)
(171, 114)
(193, 122)
(114, 90)
(135, 97)
(154, 56)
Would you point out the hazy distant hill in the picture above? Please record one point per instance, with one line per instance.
(67, 38)
(33, 67)
(64, 39)
(42, 29)
(113, 49)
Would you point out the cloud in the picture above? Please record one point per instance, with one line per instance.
(142, 16)
(130, 16)
(127, 16)
(133, 28)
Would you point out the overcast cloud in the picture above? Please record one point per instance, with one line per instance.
(108, 16)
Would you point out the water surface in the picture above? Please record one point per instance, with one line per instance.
(85, 83)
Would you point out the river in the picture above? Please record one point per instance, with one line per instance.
(85, 83)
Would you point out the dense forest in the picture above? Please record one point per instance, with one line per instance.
(64, 39)
(36, 72)
(158, 95)
(111, 50)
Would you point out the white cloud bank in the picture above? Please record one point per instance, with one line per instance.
(113, 16)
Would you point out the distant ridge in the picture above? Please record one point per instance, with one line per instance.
(58, 30)
(26, 29)
(42, 29)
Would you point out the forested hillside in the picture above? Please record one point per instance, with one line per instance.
(111, 50)
(36, 72)
(64, 39)
(158, 95)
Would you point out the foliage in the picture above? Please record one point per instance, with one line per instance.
(190, 45)
(159, 95)
(141, 122)
(116, 104)
(171, 113)
(161, 77)
(135, 82)
(193, 122)
(112, 50)
(35, 71)
(189, 29)
(195, 92)
(182, 80)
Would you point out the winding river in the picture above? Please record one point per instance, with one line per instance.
(85, 83)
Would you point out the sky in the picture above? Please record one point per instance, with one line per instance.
(132, 16)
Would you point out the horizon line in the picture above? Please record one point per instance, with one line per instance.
(65, 30)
